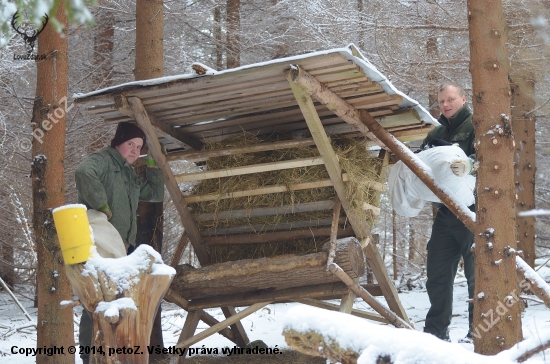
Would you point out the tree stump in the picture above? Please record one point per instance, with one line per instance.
(123, 296)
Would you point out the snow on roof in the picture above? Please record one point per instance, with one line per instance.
(368, 68)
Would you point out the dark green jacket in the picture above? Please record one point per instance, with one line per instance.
(459, 129)
(105, 177)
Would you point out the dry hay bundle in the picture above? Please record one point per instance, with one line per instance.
(355, 160)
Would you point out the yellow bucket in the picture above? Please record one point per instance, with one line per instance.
(73, 229)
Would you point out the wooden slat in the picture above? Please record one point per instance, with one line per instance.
(333, 307)
(263, 228)
(144, 121)
(195, 156)
(267, 211)
(214, 329)
(256, 168)
(274, 237)
(377, 186)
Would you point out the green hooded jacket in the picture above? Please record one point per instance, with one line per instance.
(459, 129)
(106, 178)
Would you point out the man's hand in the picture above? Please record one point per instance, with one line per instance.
(462, 167)
(107, 211)
(149, 160)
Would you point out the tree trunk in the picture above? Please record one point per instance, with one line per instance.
(394, 245)
(149, 63)
(54, 325)
(218, 37)
(251, 275)
(412, 244)
(104, 33)
(122, 307)
(233, 33)
(523, 124)
(496, 224)
(433, 103)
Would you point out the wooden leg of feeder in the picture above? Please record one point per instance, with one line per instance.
(346, 304)
(334, 232)
(191, 323)
(228, 322)
(241, 338)
(333, 307)
(173, 297)
(361, 292)
(374, 260)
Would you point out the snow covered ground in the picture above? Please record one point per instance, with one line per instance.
(266, 324)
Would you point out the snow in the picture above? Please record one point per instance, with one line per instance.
(369, 69)
(124, 271)
(267, 325)
(372, 341)
(535, 212)
(112, 308)
(532, 276)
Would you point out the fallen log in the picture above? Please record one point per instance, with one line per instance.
(532, 281)
(268, 274)
(123, 296)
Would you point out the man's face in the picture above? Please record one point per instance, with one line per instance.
(129, 150)
(450, 101)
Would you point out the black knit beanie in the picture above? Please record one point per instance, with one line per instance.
(126, 131)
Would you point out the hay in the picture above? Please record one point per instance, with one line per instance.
(360, 165)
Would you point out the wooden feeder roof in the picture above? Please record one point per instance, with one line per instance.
(192, 109)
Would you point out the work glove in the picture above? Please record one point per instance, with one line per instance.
(107, 211)
(463, 167)
(149, 160)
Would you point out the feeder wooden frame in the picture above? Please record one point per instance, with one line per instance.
(318, 95)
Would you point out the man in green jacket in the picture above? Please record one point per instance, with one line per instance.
(107, 182)
(450, 239)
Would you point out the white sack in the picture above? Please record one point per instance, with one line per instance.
(106, 238)
(408, 194)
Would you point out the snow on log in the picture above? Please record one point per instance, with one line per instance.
(348, 339)
(123, 295)
(531, 280)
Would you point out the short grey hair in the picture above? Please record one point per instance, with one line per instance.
(459, 88)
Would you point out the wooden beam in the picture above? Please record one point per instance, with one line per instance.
(237, 328)
(264, 228)
(333, 307)
(358, 290)
(411, 161)
(332, 101)
(273, 237)
(214, 329)
(267, 211)
(377, 186)
(196, 156)
(144, 121)
(184, 240)
(330, 158)
(256, 168)
(325, 291)
(173, 297)
(121, 103)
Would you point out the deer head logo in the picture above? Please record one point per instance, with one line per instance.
(28, 38)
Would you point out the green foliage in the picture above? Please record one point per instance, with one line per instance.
(32, 11)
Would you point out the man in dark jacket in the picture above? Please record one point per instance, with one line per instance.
(107, 182)
(450, 240)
